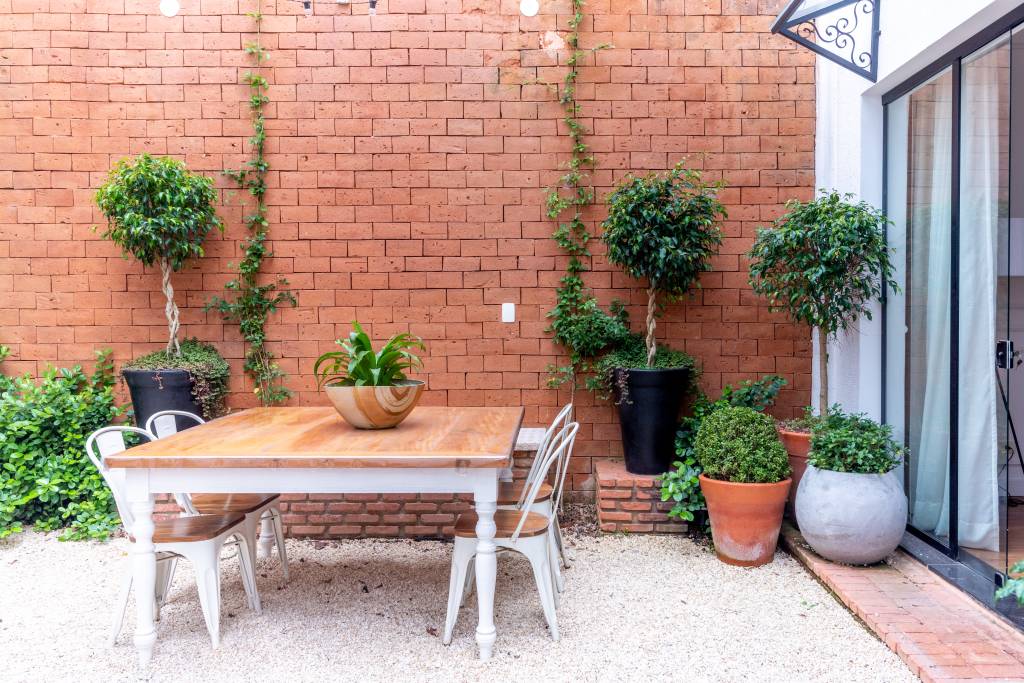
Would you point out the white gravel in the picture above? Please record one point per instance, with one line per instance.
(635, 608)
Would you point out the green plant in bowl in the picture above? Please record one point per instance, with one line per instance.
(369, 388)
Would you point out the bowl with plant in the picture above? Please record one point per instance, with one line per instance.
(662, 229)
(745, 481)
(851, 507)
(369, 388)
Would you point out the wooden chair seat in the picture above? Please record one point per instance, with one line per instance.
(219, 503)
(506, 521)
(510, 491)
(188, 529)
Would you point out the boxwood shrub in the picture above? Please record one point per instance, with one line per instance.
(740, 445)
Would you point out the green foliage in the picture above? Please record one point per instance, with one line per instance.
(1014, 586)
(740, 444)
(253, 301)
(157, 210)
(682, 485)
(358, 365)
(823, 262)
(853, 443)
(46, 478)
(577, 321)
(204, 363)
(632, 354)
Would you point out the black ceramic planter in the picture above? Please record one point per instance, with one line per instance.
(156, 390)
(649, 403)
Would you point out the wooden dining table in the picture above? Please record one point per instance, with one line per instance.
(312, 450)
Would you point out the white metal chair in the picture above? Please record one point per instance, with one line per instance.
(521, 530)
(262, 512)
(512, 494)
(198, 539)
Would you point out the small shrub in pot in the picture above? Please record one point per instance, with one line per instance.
(745, 481)
(851, 507)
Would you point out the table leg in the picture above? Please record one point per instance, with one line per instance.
(486, 568)
(144, 578)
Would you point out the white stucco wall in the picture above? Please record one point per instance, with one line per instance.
(848, 148)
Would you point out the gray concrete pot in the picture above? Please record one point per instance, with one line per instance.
(851, 518)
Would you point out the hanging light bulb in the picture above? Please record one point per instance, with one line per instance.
(170, 8)
(307, 7)
(373, 7)
(529, 8)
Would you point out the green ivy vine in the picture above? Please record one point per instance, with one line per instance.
(253, 302)
(578, 323)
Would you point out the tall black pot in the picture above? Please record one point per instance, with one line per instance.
(156, 390)
(649, 403)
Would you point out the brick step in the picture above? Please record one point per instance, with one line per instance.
(631, 502)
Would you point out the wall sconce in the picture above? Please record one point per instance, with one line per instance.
(529, 8)
(170, 8)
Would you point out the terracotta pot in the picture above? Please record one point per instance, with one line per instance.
(745, 519)
(375, 407)
(798, 446)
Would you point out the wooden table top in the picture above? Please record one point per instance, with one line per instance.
(319, 437)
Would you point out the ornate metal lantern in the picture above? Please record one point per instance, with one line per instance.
(844, 31)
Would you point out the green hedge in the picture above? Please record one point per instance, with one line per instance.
(46, 478)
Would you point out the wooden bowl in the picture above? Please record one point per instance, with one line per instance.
(376, 407)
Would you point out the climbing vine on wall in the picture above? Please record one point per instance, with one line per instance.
(253, 302)
(578, 323)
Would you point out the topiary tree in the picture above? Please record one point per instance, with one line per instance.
(741, 445)
(823, 263)
(160, 213)
(663, 228)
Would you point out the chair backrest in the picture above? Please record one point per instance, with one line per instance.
(560, 421)
(164, 424)
(108, 441)
(560, 444)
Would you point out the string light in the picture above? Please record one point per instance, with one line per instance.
(170, 8)
(529, 8)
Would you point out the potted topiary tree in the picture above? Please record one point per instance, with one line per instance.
(823, 263)
(745, 482)
(851, 507)
(160, 213)
(662, 229)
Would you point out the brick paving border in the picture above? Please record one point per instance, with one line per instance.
(940, 632)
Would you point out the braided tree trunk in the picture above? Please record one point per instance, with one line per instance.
(652, 321)
(170, 309)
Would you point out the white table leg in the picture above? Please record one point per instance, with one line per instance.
(143, 564)
(266, 534)
(485, 500)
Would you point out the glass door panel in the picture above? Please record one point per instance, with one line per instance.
(990, 287)
(918, 318)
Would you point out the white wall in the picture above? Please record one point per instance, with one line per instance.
(848, 148)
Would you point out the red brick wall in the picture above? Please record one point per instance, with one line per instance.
(408, 164)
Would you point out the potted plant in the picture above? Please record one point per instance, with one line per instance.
(160, 213)
(745, 481)
(823, 263)
(851, 507)
(369, 389)
(663, 229)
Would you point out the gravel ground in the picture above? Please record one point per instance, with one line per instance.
(635, 608)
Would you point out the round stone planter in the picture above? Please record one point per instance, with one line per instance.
(375, 407)
(851, 518)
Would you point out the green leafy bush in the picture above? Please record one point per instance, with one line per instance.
(357, 364)
(631, 353)
(1014, 586)
(46, 478)
(663, 228)
(823, 263)
(741, 445)
(160, 213)
(853, 443)
(204, 363)
(682, 485)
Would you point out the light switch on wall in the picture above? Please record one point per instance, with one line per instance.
(508, 313)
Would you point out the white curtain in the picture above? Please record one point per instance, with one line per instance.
(983, 186)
